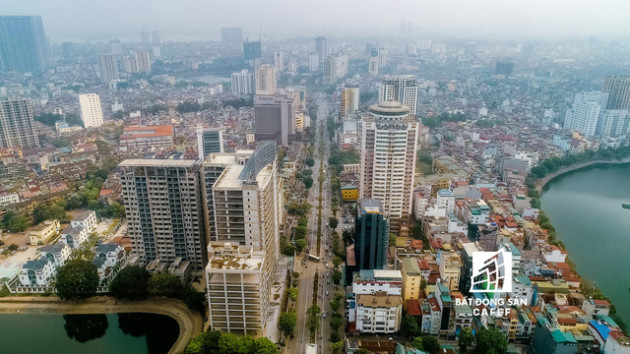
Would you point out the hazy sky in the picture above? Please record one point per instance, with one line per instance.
(201, 19)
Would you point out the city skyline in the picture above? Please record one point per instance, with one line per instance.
(491, 18)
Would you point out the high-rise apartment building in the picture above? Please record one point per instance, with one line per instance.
(265, 80)
(613, 123)
(388, 160)
(243, 202)
(23, 44)
(232, 35)
(371, 235)
(335, 68)
(91, 112)
(143, 61)
(349, 100)
(164, 209)
(584, 114)
(243, 83)
(313, 62)
(108, 67)
(252, 52)
(401, 88)
(618, 89)
(238, 288)
(274, 119)
(16, 125)
(209, 140)
(278, 61)
(321, 48)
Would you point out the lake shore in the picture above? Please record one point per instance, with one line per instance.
(190, 323)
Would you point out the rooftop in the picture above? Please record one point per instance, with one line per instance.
(157, 163)
(379, 299)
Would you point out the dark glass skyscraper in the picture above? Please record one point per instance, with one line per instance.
(23, 44)
(371, 234)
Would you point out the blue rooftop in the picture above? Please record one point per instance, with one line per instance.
(601, 328)
(446, 193)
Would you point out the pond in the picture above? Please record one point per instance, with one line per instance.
(101, 333)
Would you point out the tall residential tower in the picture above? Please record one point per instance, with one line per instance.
(23, 44)
(388, 160)
(401, 88)
(16, 125)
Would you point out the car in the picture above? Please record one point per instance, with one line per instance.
(324, 314)
(328, 281)
(326, 292)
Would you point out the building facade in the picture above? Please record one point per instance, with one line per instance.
(349, 100)
(401, 88)
(243, 83)
(389, 141)
(108, 68)
(265, 80)
(23, 44)
(209, 140)
(274, 119)
(164, 210)
(618, 89)
(585, 112)
(91, 112)
(146, 138)
(371, 235)
(17, 127)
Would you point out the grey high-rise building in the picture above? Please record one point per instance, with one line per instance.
(23, 44)
(274, 119)
(164, 209)
(16, 125)
(232, 35)
(618, 89)
(109, 68)
(252, 52)
(401, 88)
(209, 140)
(243, 83)
(321, 48)
(371, 235)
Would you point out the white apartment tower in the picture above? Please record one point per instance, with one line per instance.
(389, 139)
(584, 114)
(401, 88)
(265, 80)
(143, 61)
(243, 203)
(91, 112)
(243, 83)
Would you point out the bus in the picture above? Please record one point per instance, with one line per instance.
(313, 258)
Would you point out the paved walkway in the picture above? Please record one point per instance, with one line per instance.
(543, 181)
(190, 322)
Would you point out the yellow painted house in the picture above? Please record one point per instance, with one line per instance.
(349, 193)
(410, 279)
(44, 231)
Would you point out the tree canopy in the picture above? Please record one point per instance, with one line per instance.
(131, 283)
(490, 342)
(76, 279)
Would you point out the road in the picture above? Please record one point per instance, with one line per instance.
(308, 268)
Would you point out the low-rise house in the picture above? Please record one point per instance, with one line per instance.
(57, 253)
(74, 237)
(86, 219)
(37, 272)
(109, 257)
(44, 232)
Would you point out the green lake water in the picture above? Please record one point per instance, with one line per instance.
(584, 207)
(111, 333)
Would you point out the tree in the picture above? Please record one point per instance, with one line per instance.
(130, 283)
(308, 182)
(300, 244)
(409, 327)
(336, 277)
(491, 342)
(194, 300)
(312, 321)
(287, 321)
(335, 305)
(293, 294)
(310, 162)
(336, 321)
(337, 347)
(232, 344)
(333, 222)
(346, 236)
(392, 240)
(165, 284)
(76, 279)
(15, 222)
(465, 340)
(430, 344)
(263, 345)
(417, 343)
(337, 261)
